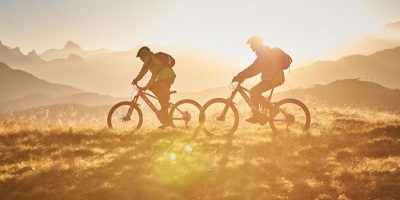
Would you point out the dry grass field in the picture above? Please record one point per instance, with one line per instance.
(347, 154)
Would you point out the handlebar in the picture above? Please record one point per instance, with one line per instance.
(137, 87)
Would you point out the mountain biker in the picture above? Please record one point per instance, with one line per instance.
(160, 82)
(271, 77)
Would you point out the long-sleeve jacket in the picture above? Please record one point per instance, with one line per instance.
(263, 64)
(158, 71)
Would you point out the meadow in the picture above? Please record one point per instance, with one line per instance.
(347, 154)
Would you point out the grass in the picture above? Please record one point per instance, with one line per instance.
(347, 154)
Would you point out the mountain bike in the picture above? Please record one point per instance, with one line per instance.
(128, 114)
(220, 116)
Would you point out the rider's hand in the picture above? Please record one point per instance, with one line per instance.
(134, 82)
(237, 79)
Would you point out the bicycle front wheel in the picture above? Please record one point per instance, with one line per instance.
(219, 118)
(293, 116)
(185, 114)
(125, 116)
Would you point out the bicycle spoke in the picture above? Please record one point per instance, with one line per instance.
(185, 115)
(118, 118)
(216, 122)
(293, 117)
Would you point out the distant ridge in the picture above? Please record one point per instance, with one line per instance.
(347, 93)
(40, 100)
(381, 66)
(72, 45)
(70, 48)
(17, 84)
(35, 57)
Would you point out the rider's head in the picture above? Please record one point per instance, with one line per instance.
(143, 51)
(255, 42)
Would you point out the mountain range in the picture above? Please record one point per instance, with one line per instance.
(352, 93)
(16, 84)
(67, 50)
(21, 90)
(103, 74)
(382, 67)
(117, 69)
(84, 69)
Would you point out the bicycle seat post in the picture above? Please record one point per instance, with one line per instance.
(270, 95)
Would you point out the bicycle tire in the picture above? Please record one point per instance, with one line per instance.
(115, 120)
(185, 114)
(297, 116)
(210, 122)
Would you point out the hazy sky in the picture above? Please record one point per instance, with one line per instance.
(301, 27)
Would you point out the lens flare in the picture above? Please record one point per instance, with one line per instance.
(173, 156)
(188, 148)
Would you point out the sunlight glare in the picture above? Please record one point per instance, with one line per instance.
(188, 148)
(173, 156)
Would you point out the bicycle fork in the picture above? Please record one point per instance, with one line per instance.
(130, 110)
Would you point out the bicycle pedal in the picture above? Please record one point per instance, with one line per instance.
(263, 123)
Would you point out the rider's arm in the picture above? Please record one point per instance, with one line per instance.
(251, 70)
(145, 69)
(152, 79)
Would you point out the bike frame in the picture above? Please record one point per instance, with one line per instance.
(144, 95)
(242, 91)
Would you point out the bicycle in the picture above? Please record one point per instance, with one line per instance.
(127, 114)
(220, 116)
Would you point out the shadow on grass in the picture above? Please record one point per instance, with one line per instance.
(170, 165)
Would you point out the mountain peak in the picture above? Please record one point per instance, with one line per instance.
(34, 56)
(17, 52)
(33, 52)
(71, 45)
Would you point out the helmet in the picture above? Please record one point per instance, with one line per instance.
(142, 50)
(255, 39)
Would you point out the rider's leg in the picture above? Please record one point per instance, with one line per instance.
(257, 98)
(164, 97)
(256, 93)
(267, 104)
(156, 89)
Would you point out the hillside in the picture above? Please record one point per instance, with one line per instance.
(382, 66)
(41, 100)
(347, 154)
(348, 93)
(14, 56)
(16, 84)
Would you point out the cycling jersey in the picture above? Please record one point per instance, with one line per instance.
(158, 71)
(264, 65)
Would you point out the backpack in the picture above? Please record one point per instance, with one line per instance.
(166, 59)
(281, 59)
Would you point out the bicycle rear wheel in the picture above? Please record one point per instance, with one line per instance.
(125, 116)
(212, 120)
(293, 116)
(185, 114)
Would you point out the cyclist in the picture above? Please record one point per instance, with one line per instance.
(271, 77)
(160, 82)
